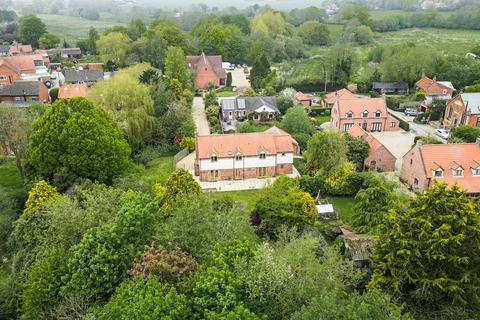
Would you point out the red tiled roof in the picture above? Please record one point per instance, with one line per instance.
(23, 64)
(465, 155)
(331, 97)
(357, 106)
(67, 91)
(214, 62)
(271, 142)
(375, 144)
(18, 47)
(300, 96)
(357, 131)
(431, 86)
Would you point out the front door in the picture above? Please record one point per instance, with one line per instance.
(377, 126)
(238, 174)
(213, 175)
(364, 126)
(230, 115)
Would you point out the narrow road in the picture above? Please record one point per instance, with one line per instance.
(199, 116)
(416, 128)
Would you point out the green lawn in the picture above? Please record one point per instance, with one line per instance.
(73, 28)
(344, 207)
(157, 170)
(322, 119)
(10, 181)
(247, 198)
(226, 94)
(252, 127)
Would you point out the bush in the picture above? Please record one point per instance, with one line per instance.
(312, 185)
(146, 155)
(187, 142)
(403, 124)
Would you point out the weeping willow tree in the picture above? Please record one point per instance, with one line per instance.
(129, 103)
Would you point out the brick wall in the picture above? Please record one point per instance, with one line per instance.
(204, 77)
(247, 173)
(412, 168)
(383, 159)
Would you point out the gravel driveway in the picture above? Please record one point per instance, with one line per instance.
(199, 116)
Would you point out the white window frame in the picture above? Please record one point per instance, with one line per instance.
(457, 172)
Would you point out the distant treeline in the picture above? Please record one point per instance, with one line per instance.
(458, 20)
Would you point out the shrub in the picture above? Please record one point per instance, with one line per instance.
(146, 155)
(187, 142)
(403, 124)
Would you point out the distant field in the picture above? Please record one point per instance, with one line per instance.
(73, 28)
(377, 15)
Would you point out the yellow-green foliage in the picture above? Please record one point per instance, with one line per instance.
(337, 179)
(179, 184)
(187, 142)
(40, 194)
(308, 207)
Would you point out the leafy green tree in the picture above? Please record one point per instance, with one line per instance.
(92, 40)
(284, 203)
(357, 150)
(179, 184)
(428, 254)
(239, 313)
(314, 33)
(338, 182)
(114, 47)
(229, 79)
(467, 134)
(147, 299)
(260, 71)
(129, 103)
(359, 13)
(268, 23)
(78, 138)
(136, 28)
(363, 35)
(372, 207)
(102, 258)
(187, 142)
(341, 62)
(175, 66)
(41, 289)
(40, 194)
(325, 150)
(296, 121)
(31, 29)
(171, 33)
(155, 47)
(175, 123)
(298, 16)
(48, 41)
(150, 76)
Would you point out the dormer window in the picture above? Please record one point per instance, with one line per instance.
(377, 114)
(213, 158)
(238, 157)
(476, 172)
(438, 173)
(365, 114)
(350, 114)
(263, 155)
(457, 172)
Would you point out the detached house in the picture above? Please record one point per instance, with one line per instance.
(256, 108)
(23, 67)
(24, 92)
(455, 163)
(19, 49)
(464, 109)
(379, 157)
(368, 113)
(307, 100)
(207, 70)
(435, 90)
(245, 155)
(83, 76)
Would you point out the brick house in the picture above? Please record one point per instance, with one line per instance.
(24, 92)
(379, 156)
(435, 90)
(22, 67)
(244, 155)
(207, 69)
(67, 91)
(369, 113)
(307, 100)
(332, 97)
(8, 73)
(455, 163)
(17, 48)
(83, 76)
(262, 108)
(464, 109)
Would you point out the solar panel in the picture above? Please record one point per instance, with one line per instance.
(228, 104)
(241, 103)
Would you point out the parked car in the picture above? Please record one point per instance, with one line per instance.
(411, 112)
(244, 66)
(442, 133)
(231, 67)
(239, 66)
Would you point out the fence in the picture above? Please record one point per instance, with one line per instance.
(179, 156)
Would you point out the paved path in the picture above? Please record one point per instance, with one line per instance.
(415, 128)
(199, 116)
(239, 79)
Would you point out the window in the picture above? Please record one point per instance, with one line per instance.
(3, 78)
(463, 118)
(415, 182)
(238, 173)
(377, 126)
(283, 154)
(261, 172)
(213, 158)
(347, 126)
(458, 172)
(365, 114)
(34, 98)
(238, 157)
(392, 124)
(476, 172)
(450, 111)
(350, 114)
(18, 98)
(377, 114)
(281, 166)
(213, 174)
(262, 155)
(411, 161)
(438, 173)
(270, 115)
(478, 122)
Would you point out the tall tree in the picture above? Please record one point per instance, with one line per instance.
(48, 41)
(325, 150)
(429, 253)
(77, 138)
(92, 40)
(175, 66)
(260, 71)
(114, 47)
(31, 29)
(314, 33)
